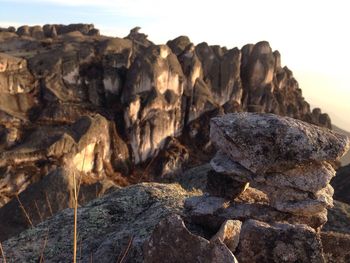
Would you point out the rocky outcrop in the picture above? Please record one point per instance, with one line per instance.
(52, 31)
(273, 173)
(127, 217)
(131, 221)
(124, 108)
(106, 226)
(283, 157)
(275, 143)
(153, 97)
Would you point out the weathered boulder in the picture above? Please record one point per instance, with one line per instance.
(123, 222)
(282, 157)
(254, 140)
(106, 226)
(211, 211)
(310, 177)
(171, 240)
(262, 242)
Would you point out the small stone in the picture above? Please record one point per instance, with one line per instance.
(229, 234)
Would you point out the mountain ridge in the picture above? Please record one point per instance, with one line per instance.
(119, 111)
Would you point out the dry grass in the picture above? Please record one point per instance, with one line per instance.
(123, 256)
(76, 190)
(48, 203)
(2, 253)
(75, 219)
(41, 260)
(24, 211)
(38, 211)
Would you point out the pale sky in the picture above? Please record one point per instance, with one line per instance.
(312, 36)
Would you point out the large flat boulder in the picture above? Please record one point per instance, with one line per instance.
(267, 142)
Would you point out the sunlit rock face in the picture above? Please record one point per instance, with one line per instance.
(108, 107)
(86, 146)
(212, 76)
(18, 87)
(266, 83)
(153, 99)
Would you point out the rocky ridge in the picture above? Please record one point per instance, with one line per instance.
(117, 111)
(149, 222)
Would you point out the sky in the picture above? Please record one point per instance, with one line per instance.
(311, 35)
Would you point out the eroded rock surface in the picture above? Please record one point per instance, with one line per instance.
(272, 173)
(105, 226)
(123, 110)
(282, 157)
(129, 216)
(267, 137)
(172, 241)
(261, 242)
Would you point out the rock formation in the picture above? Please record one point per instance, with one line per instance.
(117, 111)
(285, 159)
(130, 216)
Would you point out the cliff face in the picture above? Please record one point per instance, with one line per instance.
(123, 110)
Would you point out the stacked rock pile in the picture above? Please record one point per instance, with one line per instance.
(287, 159)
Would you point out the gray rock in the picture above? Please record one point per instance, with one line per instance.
(299, 202)
(223, 164)
(211, 212)
(173, 242)
(105, 226)
(262, 242)
(266, 142)
(310, 177)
